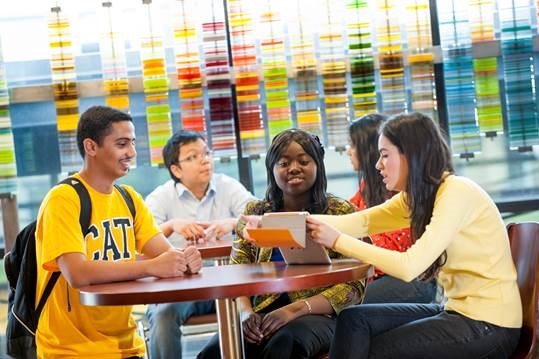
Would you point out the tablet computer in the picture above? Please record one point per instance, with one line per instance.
(306, 251)
(313, 253)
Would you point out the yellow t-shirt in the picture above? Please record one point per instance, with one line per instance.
(479, 277)
(67, 328)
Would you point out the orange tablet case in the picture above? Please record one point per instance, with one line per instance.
(272, 237)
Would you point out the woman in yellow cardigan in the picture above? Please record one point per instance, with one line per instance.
(459, 238)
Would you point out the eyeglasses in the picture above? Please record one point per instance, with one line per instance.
(197, 157)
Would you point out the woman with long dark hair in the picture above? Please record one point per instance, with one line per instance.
(459, 238)
(298, 324)
(363, 152)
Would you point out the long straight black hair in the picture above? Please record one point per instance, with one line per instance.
(419, 139)
(313, 147)
(364, 133)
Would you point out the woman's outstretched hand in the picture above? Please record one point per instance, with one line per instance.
(250, 222)
(321, 233)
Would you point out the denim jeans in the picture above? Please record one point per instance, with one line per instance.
(165, 320)
(417, 331)
(387, 289)
(302, 338)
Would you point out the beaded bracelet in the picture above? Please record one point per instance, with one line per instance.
(308, 306)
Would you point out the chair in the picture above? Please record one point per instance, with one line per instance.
(205, 324)
(199, 324)
(524, 240)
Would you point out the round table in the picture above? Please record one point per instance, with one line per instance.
(225, 283)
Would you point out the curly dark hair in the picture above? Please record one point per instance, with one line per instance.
(313, 147)
(419, 139)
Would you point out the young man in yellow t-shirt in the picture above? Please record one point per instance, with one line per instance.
(106, 140)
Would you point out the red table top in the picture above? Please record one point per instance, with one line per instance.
(227, 281)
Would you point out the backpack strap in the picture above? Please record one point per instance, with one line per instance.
(84, 220)
(85, 202)
(48, 289)
(128, 199)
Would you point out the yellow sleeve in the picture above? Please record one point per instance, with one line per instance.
(451, 213)
(58, 227)
(387, 216)
(343, 295)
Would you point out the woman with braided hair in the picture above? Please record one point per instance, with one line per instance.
(297, 324)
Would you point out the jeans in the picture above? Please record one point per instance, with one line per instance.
(302, 338)
(165, 320)
(387, 289)
(417, 331)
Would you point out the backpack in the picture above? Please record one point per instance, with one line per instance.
(21, 272)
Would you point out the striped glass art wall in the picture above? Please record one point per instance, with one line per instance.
(188, 69)
(274, 69)
(391, 57)
(8, 166)
(333, 71)
(64, 81)
(517, 54)
(301, 28)
(246, 75)
(312, 64)
(218, 80)
(361, 57)
(420, 57)
(112, 51)
(156, 84)
(458, 74)
(487, 92)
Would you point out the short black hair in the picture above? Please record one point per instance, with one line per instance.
(171, 151)
(96, 123)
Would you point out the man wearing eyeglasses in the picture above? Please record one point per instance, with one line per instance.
(195, 205)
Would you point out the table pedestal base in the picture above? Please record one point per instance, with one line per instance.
(230, 339)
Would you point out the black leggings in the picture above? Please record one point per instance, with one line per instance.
(304, 337)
